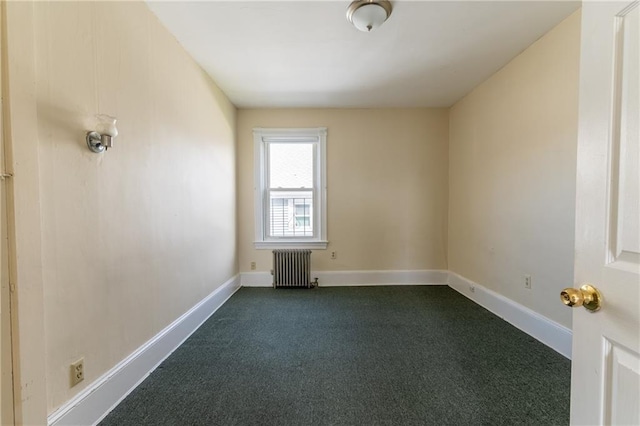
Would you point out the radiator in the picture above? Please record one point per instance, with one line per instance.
(292, 268)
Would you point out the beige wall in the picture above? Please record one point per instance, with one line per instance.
(134, 237)
(512, 175)
(386, 186)
(6, 379)
(23, 212)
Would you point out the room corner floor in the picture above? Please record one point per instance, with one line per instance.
(353, 356)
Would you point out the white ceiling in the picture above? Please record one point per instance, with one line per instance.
(306, 54)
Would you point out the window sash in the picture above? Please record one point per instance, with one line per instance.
(267, 160)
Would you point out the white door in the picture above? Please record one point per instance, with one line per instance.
(605, 376)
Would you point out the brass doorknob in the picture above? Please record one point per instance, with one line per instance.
(587, 296)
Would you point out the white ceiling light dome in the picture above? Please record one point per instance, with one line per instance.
(367, 15)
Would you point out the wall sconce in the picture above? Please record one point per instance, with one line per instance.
(103, 137)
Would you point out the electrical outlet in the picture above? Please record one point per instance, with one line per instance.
(527, 282)
(253, 266)
(334, 255)
(77, 372)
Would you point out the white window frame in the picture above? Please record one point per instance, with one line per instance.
(261, 138)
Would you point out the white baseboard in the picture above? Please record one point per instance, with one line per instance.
(549, 332)
(356, 278)
(96, 401)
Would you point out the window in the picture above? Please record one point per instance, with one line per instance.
(290, 188)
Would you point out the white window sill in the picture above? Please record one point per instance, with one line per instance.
(311, 245)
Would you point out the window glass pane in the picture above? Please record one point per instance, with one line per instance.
(302, 221)
(291, 165)
(302, 209)
(291, 214)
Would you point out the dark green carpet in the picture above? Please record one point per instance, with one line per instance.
(353, 356)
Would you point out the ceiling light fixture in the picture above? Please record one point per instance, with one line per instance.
(367, 15)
